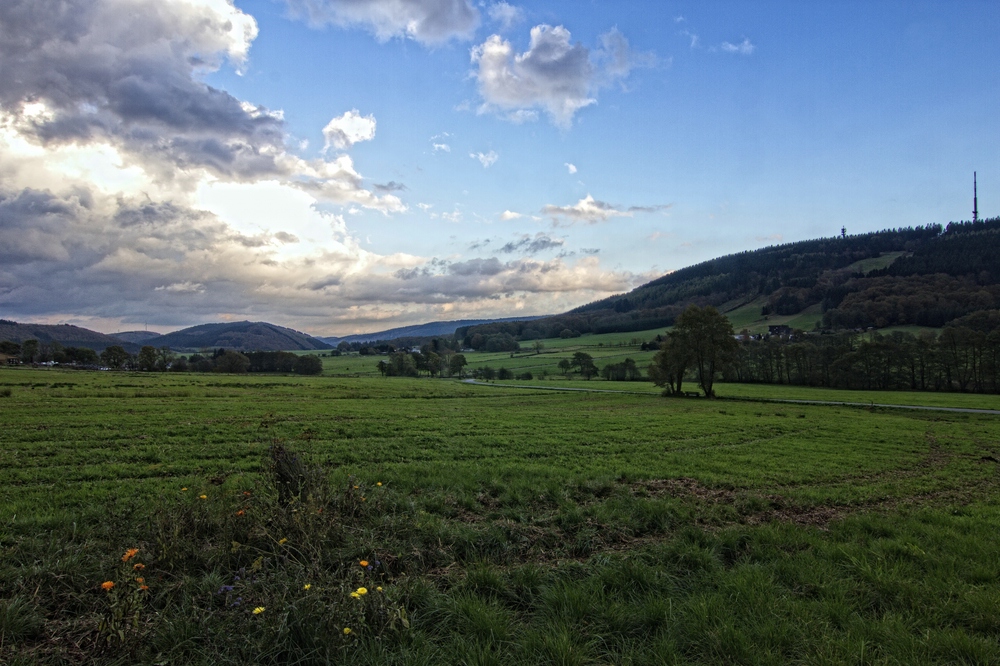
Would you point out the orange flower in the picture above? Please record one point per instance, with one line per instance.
(129, 554)
(240, 512)
(107, 585)
(140, 580)
(144, 587)
(247, 493)
(363, 563)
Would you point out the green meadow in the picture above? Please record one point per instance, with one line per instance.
(351, 518)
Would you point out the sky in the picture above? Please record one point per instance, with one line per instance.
(349, 166)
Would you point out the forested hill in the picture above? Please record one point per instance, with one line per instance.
(243, 335)
(925, 276)
(65, 335)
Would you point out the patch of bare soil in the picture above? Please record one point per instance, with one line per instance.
(753, 509)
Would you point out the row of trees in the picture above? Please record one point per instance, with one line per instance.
(412, 364)
(162, 359)
(33, 351)
(965, 356)
(961, 358)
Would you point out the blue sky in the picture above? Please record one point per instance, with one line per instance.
(342, 166)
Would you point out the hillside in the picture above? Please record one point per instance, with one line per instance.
(429, 330)
(925, 276)
(64, 334)
(244, 335)
(138, 337)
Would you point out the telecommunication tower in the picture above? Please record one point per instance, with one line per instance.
(975, 200)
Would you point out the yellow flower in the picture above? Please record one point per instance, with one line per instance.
(362, 590)
(378, 589)
(202, 496)
(129, 554)
(347, 630)
(282, 541)
(379, 483)
(107, 585)
(307, 586)
(354, 595)
(258, 610)
(183, 489)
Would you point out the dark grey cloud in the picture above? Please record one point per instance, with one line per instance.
(491, 266)
(426, 21)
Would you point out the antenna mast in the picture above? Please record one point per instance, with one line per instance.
(975, 200)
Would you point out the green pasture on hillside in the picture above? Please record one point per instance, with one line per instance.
(486, 525)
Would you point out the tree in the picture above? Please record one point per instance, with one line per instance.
(114, 356)
(457, 363)
(539, 346)
(433, 363)
(29, 350)
(231, 362)
(309, 364)
(565, 366)
(148, 356)
(670, 363)
(585, 363)
(711, 340)
(164, 358)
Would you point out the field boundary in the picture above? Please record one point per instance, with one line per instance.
(833, 403)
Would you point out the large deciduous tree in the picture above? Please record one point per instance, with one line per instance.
(114, 356)
(711, 340)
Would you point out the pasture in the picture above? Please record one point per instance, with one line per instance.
(486, 525)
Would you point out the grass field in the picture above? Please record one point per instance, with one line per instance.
(487, 526)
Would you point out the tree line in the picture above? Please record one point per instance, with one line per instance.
(162, 359)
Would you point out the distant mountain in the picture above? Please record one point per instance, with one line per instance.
(243, 335)
(138, 337)
(65, 334)
(429, 330)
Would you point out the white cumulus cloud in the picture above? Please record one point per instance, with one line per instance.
(344, 131)
(570, 167)
(554, 74)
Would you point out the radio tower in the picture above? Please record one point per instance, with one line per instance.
(975, 200)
